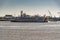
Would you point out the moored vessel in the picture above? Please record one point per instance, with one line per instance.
(28, 18)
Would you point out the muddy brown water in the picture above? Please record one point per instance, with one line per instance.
(29, 31)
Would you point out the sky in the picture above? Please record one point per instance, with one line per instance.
(30, 7)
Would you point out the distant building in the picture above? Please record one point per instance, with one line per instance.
(8, 16)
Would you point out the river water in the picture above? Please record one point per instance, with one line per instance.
(7, 24)
(29, 31)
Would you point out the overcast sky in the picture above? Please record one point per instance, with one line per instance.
(31, 7)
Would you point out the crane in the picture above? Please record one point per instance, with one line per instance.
(50, 13)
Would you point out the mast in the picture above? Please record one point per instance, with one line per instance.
(21, 13)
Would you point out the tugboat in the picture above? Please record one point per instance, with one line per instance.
(28, 18)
